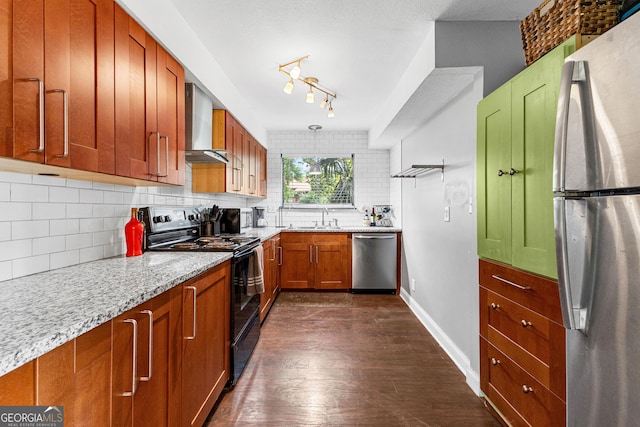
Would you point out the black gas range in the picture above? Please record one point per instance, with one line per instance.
(179, 230)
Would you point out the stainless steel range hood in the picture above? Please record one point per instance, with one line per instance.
(198, 128)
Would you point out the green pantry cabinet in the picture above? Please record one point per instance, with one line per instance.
(516, 126)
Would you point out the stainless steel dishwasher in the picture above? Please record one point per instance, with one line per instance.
(374, 262)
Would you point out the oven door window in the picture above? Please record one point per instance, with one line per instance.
(240, 282)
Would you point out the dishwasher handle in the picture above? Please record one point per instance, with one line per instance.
(370, 237)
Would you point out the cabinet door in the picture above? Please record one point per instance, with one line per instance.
(170, 92)
(494, 190)
(157, 400)
(266, 298)
(275, 265)
(262, 171)
(332, 266)
(297, 265)
(77, 375)
(206, 344)
(534, 104)
(237, 155)
(135, 79)
(6, 78)
(18, 387)
(28, 80)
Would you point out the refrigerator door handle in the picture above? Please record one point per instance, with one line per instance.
(574, 297)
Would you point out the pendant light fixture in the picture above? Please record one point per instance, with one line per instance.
(293, 70)
(314, 168)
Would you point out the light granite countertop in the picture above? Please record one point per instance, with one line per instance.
(43, 311)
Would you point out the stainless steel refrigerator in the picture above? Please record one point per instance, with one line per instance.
(597, 222)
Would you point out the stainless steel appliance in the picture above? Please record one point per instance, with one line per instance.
(597, 221)
(178, 229)
(258, 217)
(374, 262)
(236, 220)
(198, 127)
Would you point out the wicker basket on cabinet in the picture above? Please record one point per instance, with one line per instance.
(554, 21)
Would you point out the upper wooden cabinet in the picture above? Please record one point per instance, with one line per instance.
(516, 126)
(149, 106)
(242, 174)
(56, 70)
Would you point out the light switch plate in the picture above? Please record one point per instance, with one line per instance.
(447, 218)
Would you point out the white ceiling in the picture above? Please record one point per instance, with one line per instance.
(357, 48)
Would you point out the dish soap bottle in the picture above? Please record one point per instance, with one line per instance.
(133, 233)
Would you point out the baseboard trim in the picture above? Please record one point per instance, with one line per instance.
(453, 351)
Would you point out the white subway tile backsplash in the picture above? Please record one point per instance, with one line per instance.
(114, 249)
(47, 245)
(102, 211)
(29, 193)
(29, 229)
(113, 197)
(10, 211)
(15, 177)
(49, 211)
(91, 196)
(5, 191)
(114, 223)
(6, 272)
(49, 180)
(64, 259)
(5, 231)
(61, 227)
(79, 210)
(15, 249)
(93, 253)
(79, 241)
(108, 237)
(32, 265)
(103, 186)
(91, 225)
(64, 195)
(74, 183)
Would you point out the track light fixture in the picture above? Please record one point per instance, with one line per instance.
(293, 70)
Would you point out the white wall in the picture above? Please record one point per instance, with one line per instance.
(371, 173)
(48, 223)
(442, 256)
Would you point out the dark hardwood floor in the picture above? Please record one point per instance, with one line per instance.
(337, 359)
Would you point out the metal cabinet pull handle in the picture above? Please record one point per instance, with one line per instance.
(150, 314)
(149, 150)
(524, 323)
(501, 172)
(495, 306)
(166, 138)
(495, 361)
(508, 282)
(527, 389)
(40, 148)
(317, 255)
(281, 257)
(65, 132)
(310, 254)
(134, 358)
(195, 325)
(513, 171)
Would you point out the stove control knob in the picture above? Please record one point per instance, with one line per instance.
(192, 217)
(157, 219)
(167, 218)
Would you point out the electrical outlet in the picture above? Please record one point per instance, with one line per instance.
(447, 218)
(413, 285)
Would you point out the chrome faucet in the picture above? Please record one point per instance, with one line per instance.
(324, 210)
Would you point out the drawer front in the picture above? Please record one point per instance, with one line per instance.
(534, 292)
(529, 339)
(516, 394)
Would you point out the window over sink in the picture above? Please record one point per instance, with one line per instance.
(312, 182)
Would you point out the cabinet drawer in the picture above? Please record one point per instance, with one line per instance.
(537, 344)
(534, 292)
(521, 399)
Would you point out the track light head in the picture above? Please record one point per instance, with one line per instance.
(295, 71)
(288, 87)
(331, 114)
(310, 96)
(324, 101)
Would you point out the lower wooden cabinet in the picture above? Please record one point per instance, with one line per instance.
(206, 342)
(316, 261)
(272, 250)
(77, 375)
(522, 346)
(162, 363)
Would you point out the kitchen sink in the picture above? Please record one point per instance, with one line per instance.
(311, 227)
